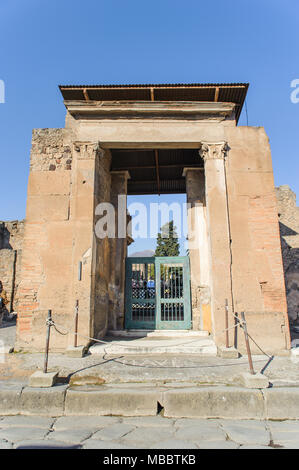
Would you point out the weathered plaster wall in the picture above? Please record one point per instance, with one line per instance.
(11, 240)
(289, 231)
(47, 245)
(101, 249)
(257, 271)
(118, 250)
(198, 250)
(67, 180)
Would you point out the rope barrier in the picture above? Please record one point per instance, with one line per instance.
(56, 325)
(240, 323)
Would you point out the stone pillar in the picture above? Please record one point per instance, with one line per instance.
(100, 262)
(118, 247)
(214, 155)
(198, 249)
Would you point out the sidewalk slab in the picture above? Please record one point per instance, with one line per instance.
(112, 401)
(10, 398)
(43, 401)
(21, 421)
(214, 402)
(247, 432)
(282, 403)
(17, 434)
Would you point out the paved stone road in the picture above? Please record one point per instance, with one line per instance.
(105, 432)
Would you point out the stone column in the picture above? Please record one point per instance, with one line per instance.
(118, 249)
(214, 155)
(90, 187)
(198, 248)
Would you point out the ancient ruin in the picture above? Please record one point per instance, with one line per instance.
(154, 139)
(288, 214)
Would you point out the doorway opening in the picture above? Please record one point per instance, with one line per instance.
(157, 266)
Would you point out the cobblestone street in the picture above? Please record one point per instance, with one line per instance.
(104, 432)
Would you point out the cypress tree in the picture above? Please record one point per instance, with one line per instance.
(167, 241)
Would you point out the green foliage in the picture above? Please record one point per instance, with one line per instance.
(167, 241)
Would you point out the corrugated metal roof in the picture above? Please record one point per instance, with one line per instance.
(158, 85)
(222, 92)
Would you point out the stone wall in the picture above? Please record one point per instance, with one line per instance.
(11, 240)
(46, 277)
(288, 214)
(67, 180)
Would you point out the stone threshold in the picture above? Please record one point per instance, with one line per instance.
(135, 333)
(156, 344)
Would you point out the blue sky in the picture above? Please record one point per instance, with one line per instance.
(46, 43)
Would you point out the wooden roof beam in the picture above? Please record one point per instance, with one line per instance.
(85, 93)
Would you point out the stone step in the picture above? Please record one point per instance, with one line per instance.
(157, 345)
(157, 333)
(281, 403)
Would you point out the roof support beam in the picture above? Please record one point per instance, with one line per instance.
(85, 93)
(216, 93)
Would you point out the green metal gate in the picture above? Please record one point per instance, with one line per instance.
(158, 293)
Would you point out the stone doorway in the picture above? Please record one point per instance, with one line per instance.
(129, 139)
(163, 171)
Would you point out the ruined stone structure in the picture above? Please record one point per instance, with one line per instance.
(288, 214)
(144, 139)
(11, 240)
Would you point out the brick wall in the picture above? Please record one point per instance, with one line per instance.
(47, 244)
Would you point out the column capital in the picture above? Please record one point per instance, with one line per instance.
(213, 150)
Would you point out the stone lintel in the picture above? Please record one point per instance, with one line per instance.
(94, 108)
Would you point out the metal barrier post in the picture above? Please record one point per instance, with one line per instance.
(76, 324)
(49, 320)
(226, 324)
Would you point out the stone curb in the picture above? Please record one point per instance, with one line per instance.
(190, 402)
